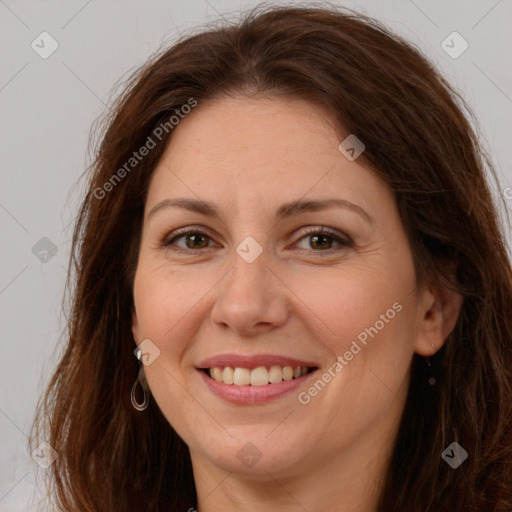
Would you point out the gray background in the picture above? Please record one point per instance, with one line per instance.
(48, 107)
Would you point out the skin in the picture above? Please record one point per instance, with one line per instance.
(248, 156)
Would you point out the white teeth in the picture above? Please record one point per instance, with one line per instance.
(216, 373)
(242, 377)
(227, 375)
(275, 374)
(287, 373)
(259, 376)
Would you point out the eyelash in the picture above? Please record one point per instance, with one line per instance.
(323, 231)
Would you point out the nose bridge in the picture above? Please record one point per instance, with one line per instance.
(248, 298)
(249, 267)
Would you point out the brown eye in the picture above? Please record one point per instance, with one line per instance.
(187, 240)
(322, 240)
(196, 241)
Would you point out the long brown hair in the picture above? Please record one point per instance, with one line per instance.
(418, 139)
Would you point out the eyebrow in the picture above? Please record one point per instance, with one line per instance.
(284, 211)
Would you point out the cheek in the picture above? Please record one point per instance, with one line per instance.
(371, 321)
(348, 304)
(168, 306)
(366, 320)
(167, 301)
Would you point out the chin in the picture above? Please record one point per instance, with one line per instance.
(254, 451)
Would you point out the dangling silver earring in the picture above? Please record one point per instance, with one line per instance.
(141, 379)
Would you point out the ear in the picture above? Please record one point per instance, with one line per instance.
(135, 326)
(438, 314)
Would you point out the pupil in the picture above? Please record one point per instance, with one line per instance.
(321, 238)
(195, 240)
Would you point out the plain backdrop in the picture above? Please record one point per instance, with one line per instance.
(48, 106)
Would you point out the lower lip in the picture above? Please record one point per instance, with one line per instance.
(250, 395)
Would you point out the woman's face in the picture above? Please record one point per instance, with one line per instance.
(234, 271)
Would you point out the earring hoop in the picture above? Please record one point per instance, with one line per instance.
(141, 380)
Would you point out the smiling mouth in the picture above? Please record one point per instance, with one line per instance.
(259, 376)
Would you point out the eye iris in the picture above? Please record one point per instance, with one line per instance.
(319, 240)
(196, 241)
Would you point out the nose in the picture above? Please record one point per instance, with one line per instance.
(251, 300)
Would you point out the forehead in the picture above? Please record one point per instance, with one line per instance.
(258, 151)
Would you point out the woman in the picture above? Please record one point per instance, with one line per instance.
(288, 223)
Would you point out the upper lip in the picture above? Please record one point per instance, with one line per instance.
(253, 361)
